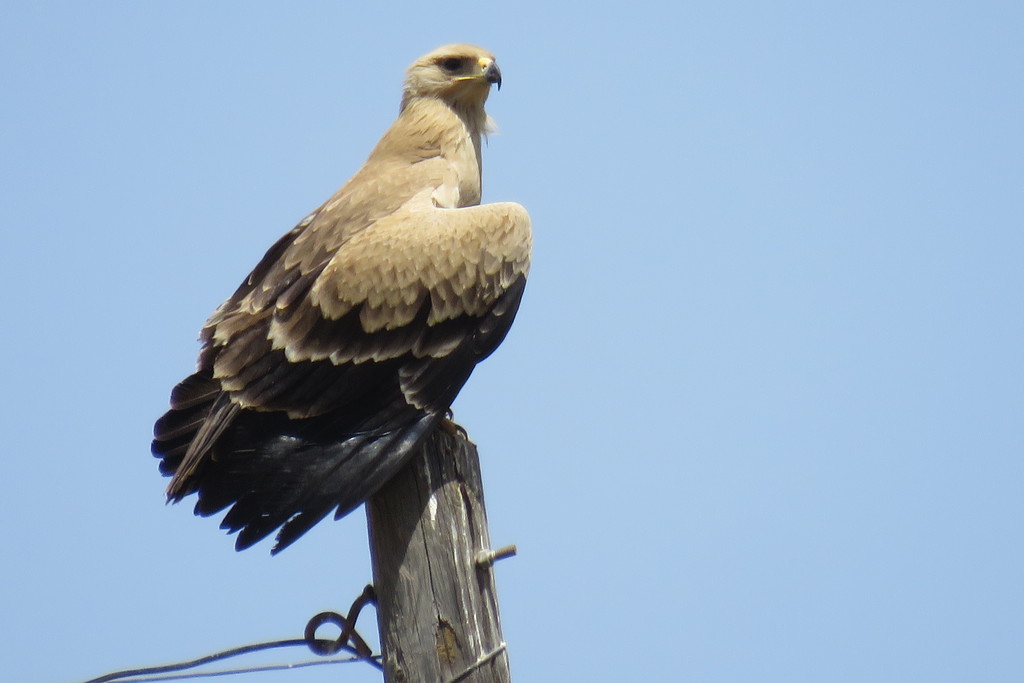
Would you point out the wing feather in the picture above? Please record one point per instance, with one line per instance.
(414, 285)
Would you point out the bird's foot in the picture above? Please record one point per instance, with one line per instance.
(449, 426)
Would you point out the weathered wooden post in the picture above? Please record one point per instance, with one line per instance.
(433, 570)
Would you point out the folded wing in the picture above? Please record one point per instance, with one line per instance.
(336, 358)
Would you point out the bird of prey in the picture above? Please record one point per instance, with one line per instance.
(344, 348)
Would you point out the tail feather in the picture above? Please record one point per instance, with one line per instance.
(272, 472)
(294, 480)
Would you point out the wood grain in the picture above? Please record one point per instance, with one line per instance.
(437, 608)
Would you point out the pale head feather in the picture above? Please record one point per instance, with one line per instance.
(452, 73)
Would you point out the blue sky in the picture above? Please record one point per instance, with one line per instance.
(759, 419)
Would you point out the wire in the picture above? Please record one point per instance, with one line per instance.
(149, 671)
(349, 640)
(247, 670)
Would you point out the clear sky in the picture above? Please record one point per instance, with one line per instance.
(761, 417)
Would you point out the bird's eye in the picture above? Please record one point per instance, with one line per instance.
(451, 64)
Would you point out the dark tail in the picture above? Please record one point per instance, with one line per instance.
(273, 471)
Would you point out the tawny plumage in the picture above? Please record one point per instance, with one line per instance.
(345, 346)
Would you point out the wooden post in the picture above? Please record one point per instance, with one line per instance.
(436, 604)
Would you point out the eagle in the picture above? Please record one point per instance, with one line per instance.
(343, 349)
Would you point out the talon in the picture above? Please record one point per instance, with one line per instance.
(452, 428)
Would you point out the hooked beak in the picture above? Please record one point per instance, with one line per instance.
(492, 74)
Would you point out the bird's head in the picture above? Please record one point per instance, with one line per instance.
(459, 74)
